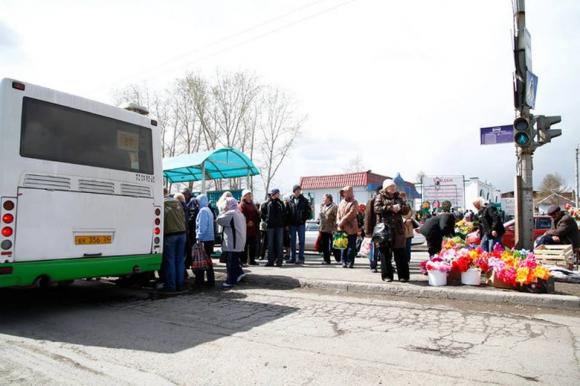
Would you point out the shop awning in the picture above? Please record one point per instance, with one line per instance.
(208, 165)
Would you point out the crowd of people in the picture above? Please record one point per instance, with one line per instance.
(248, 231)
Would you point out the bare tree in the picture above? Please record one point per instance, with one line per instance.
(355, 164)
(278, 128)
(552, 183)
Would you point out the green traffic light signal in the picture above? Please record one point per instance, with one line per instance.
(522, 138)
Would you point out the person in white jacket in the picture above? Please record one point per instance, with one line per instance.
(234, 240)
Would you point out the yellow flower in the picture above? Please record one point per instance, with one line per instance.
(542, 273)
(522, 275)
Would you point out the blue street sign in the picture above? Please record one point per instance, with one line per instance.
(531, 89)
(497, 134)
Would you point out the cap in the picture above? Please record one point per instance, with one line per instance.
(295, 188)
(552, 209)
(246, 191)
(274, 191)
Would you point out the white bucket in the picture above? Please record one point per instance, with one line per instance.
(471, 277)
(437, 278)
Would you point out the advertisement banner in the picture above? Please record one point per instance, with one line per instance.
(437, 189)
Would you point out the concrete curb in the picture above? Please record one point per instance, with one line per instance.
(412, 291)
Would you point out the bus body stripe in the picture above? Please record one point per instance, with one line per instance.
(24, 273)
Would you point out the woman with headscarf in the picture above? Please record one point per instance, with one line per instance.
(233, 223)
(389, 208)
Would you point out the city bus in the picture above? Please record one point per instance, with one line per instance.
(80, 188)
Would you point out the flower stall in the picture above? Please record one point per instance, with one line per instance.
(502, 268)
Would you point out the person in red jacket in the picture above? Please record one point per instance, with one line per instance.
(249, 210)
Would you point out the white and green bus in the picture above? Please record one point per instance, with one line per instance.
(80, 188)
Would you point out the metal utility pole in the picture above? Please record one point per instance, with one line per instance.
(577, 180)
(524, 187)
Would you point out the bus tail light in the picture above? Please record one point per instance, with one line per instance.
(7, 218)
(7, 231)
(5, 270)
(18, 86)
(156, 231)
(8, 205)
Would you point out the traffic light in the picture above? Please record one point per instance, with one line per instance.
(523, 132)
(545, 133)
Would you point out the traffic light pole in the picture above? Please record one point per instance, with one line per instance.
(524, 189)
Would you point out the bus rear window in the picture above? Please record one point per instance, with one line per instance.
(58, 133)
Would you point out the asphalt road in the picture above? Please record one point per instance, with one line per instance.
(94, 333)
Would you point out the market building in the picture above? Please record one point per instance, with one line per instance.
(364, 185)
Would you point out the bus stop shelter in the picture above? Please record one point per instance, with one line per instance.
(216, 164)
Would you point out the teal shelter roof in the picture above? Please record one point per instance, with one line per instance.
(220, 163)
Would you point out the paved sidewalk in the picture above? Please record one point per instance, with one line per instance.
(361, 280)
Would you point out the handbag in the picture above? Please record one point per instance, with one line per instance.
(366, 247)
(199, 259)
(340, 240)
(382, 234)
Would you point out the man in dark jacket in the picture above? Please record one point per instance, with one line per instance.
(274, 214)
(435, 228)
(565, 230)
(298, 212)
(490, 225)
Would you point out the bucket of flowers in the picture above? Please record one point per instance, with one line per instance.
(436, 269)
(470, 263)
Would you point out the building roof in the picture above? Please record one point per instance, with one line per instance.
(341, 180)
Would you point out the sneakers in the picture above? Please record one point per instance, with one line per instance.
(243, 275)
(387, 279)
(227, 286)
(403, 280)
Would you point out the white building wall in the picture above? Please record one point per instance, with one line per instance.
(475, 188)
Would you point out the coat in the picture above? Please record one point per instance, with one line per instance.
(347, 217)
(328, 214)
(435, 228)
(384, 209)
(250, 211)
(274, 213)
(298, 210)
(567, 230)
(233, 223)
(408, 225)
(174, 217)
(489, 220)
(204, 224)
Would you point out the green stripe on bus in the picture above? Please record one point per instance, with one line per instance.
(25, 273)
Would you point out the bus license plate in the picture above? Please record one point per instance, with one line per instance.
(90, 240)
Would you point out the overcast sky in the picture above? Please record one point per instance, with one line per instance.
(405, 85)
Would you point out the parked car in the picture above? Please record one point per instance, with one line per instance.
(312, 228)
(541, 225)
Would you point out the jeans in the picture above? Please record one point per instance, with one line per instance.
(488, 242)
(349, 253)
(233, 266)
(173, 261)
(301, 230)
(275, 239)
(400, 260)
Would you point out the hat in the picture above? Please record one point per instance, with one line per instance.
(295, 188)
(481, 201)
(553, 209)
(246, 191)
(388, 182)
(274, 191)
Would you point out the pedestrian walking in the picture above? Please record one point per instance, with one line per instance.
(274, 214)
(249, 210)
(347, 222)
(327, 218)
(233, 223)
(299, 211)
(389, 208)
